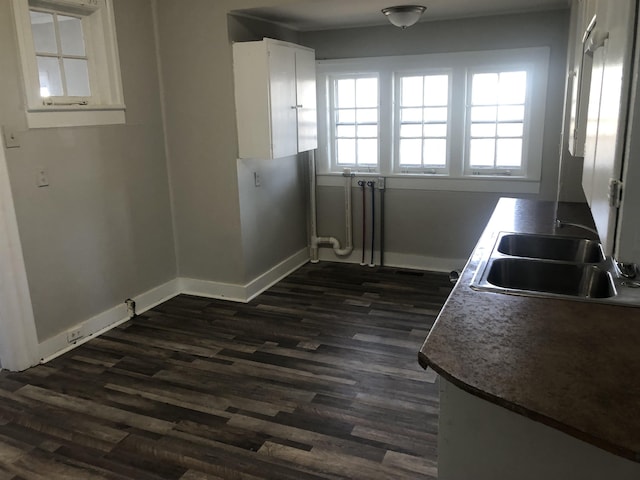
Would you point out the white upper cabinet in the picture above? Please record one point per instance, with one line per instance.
(275, 93)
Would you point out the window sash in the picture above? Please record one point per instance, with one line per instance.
(421, 126)
(354, 128)
(496, 137)
(60, 56)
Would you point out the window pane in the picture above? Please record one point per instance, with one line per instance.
(412, 92)
(435, 152)
(481, 152)
(367, 115)
(42, 29)
(346, 93)
(366, 92)
(435, 130)
(435, 114)
(510, 130)
(50, 79)
(77, 75)
(411, 131)
(410, 152)
(367, 152)
(484, 89)
(411, 115)
(506, 114)
(370, 131)
(71, 38)
(436, 90)
(346, 151)
(483, 114)
(346, 116)
(509, 153)
(513, 87)
(483, 130)
(348, 131)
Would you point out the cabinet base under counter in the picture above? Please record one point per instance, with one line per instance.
(480, 440)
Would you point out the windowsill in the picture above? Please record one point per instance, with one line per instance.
(59, 117)
(515, 185)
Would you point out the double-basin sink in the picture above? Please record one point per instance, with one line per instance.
(553, 266)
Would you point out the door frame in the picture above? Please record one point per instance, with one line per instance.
(18, 336)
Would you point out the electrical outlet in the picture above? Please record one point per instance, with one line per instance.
(74, 335)
(11, 139)
(43, 177)
(381, 183)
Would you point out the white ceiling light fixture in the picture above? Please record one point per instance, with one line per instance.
(404, 16)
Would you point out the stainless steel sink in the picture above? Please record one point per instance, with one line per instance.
(568, 249)
(576, 280)
(553, 266)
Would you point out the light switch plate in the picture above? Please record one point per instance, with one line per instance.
(11, 139)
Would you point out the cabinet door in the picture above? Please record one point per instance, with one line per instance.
(282, 96)
(306, 100)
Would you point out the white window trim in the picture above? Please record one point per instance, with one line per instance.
(535, 60)
(106, 105)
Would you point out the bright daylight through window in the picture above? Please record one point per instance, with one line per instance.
(467, 121)
(61, 55)
(69, 60)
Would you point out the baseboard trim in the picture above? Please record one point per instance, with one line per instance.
(244, 293)
(275, 274)
(399, 260)
(95, 326)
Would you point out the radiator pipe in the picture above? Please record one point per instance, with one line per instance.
(381, 241)
(373, 219)
(361, 184)
(316, 240)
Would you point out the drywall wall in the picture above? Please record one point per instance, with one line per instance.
(273, 214)
(434, 224)
(227, 230)
(101, 231)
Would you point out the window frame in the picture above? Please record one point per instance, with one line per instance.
(397, 124)
(106, 105)
(534, 60)
(332, 119)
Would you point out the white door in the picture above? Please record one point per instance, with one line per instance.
(605, 144)
(306, 100)
(282, 95)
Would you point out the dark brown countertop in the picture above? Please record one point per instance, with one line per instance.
(572, 365)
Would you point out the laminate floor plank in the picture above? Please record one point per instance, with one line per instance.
(316, 378)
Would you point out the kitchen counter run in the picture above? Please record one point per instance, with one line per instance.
(572, 365)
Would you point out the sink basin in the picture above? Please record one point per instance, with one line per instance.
(567, 249)
(567, 279)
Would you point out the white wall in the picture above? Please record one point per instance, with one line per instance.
(101, 232)
(432, 224)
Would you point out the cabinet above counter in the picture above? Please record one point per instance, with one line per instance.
(275, 96)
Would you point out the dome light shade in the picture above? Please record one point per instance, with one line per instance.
(404, 16)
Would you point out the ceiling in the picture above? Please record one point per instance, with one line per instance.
(309, 15)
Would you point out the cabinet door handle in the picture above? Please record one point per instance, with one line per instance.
(294, 107)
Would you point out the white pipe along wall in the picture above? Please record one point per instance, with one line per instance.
(334, 242)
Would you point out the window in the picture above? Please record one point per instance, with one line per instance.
(461, 121)
(70, 62)
(496, 116)
(423, 121)
(355, 121)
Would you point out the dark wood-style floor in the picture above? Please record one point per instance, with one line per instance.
(316, 378)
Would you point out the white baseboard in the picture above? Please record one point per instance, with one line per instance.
(58, 344)
(94, 326)
(244, 293)
(400, 260)
(275, 274)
